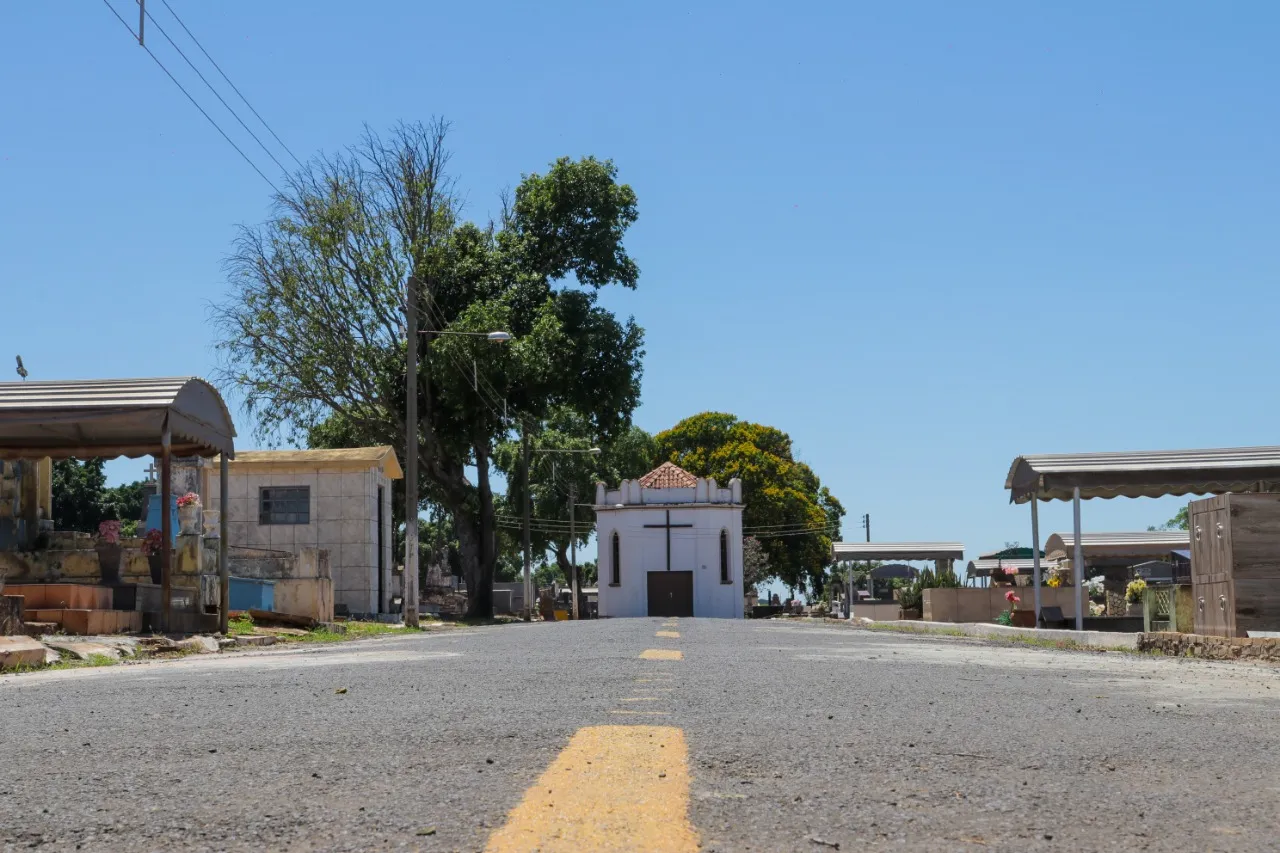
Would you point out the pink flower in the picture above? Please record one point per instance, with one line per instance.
(109, 532)
(189, 499)
(1010, 597)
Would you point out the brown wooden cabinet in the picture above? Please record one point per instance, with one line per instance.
(1235, 564)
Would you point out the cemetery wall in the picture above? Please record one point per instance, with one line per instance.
(984, 604)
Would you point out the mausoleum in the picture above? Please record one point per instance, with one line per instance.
(670, 544)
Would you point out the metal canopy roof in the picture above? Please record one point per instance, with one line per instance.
(113, 417)
(1149, 474)
(982, 568)
(1146, 545)
(897, 550)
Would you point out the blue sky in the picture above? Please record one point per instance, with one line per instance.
(920, 237)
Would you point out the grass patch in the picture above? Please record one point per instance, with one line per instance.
(911, 629)
(355, 631)
(241, 625)
(63, 664)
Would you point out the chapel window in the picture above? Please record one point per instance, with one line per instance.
(615, 560)
(724, 557)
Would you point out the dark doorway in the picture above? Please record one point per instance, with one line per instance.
(382, 560)
(670, 593)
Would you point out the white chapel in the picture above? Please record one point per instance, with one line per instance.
(670, 544)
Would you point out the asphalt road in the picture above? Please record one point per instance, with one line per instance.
(799, 737)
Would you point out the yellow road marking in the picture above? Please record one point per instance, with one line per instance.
(660, 679)
(668, 624)
(641, 713)
(642, 699)
(613, 788)
(674, 635)
(661, 654)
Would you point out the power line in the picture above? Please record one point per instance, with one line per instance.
(193, 101)
(228, 79)
(216, 94)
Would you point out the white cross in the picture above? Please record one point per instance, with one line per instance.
(151, 472)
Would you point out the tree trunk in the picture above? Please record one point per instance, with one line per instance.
(562, 560)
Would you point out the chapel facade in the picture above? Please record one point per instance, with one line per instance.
(670, 544)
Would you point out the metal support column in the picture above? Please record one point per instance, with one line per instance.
(1078, 562)
(1035, 553)
(224, 573)
(166, 527)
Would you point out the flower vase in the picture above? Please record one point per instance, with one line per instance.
(155, 562)
(109, 562)
(189, 519)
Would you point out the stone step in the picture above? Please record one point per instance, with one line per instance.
(59, 596)
(83, 650)
(24, 651)
(90, 622)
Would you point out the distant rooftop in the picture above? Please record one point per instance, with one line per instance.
(383, 456)
(668, 475)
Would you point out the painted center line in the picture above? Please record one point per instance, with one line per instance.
(612, 788)
(661, 654)
(628, 713)
(674, 635)
(642, 699)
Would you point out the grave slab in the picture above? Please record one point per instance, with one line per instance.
(84, 650)
(24, 651)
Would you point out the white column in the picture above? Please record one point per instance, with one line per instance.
(1078, 562)
(1035, 553)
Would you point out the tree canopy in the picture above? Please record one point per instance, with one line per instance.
(560, 468)
(82, 499)
(788, 509)
(1181, 521)
(313, 331)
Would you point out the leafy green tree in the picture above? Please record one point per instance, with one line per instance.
(313, 332)
(787, 507)
(1181, 521)
(555, 476)
(77, 494)
(125, 502)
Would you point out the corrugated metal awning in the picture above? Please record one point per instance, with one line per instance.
(1149, 474)
(982, 567)
(897, 551)
(113, 417)
(1144, 545)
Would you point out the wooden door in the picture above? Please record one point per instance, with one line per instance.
(670, 593)
(1211, 574)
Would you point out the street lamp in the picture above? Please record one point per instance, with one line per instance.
(573, 530)
(411, 447)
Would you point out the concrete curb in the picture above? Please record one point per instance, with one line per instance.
(1084, 639)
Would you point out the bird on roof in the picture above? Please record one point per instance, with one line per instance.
(22, 370)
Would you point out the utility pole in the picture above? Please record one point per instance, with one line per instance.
(573, 546)
(527, 502)
(411, 456)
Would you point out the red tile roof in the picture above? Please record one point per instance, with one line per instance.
(668, 475)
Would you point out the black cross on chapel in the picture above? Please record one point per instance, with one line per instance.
(668, 525)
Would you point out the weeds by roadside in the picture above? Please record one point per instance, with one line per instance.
(1005, 639)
